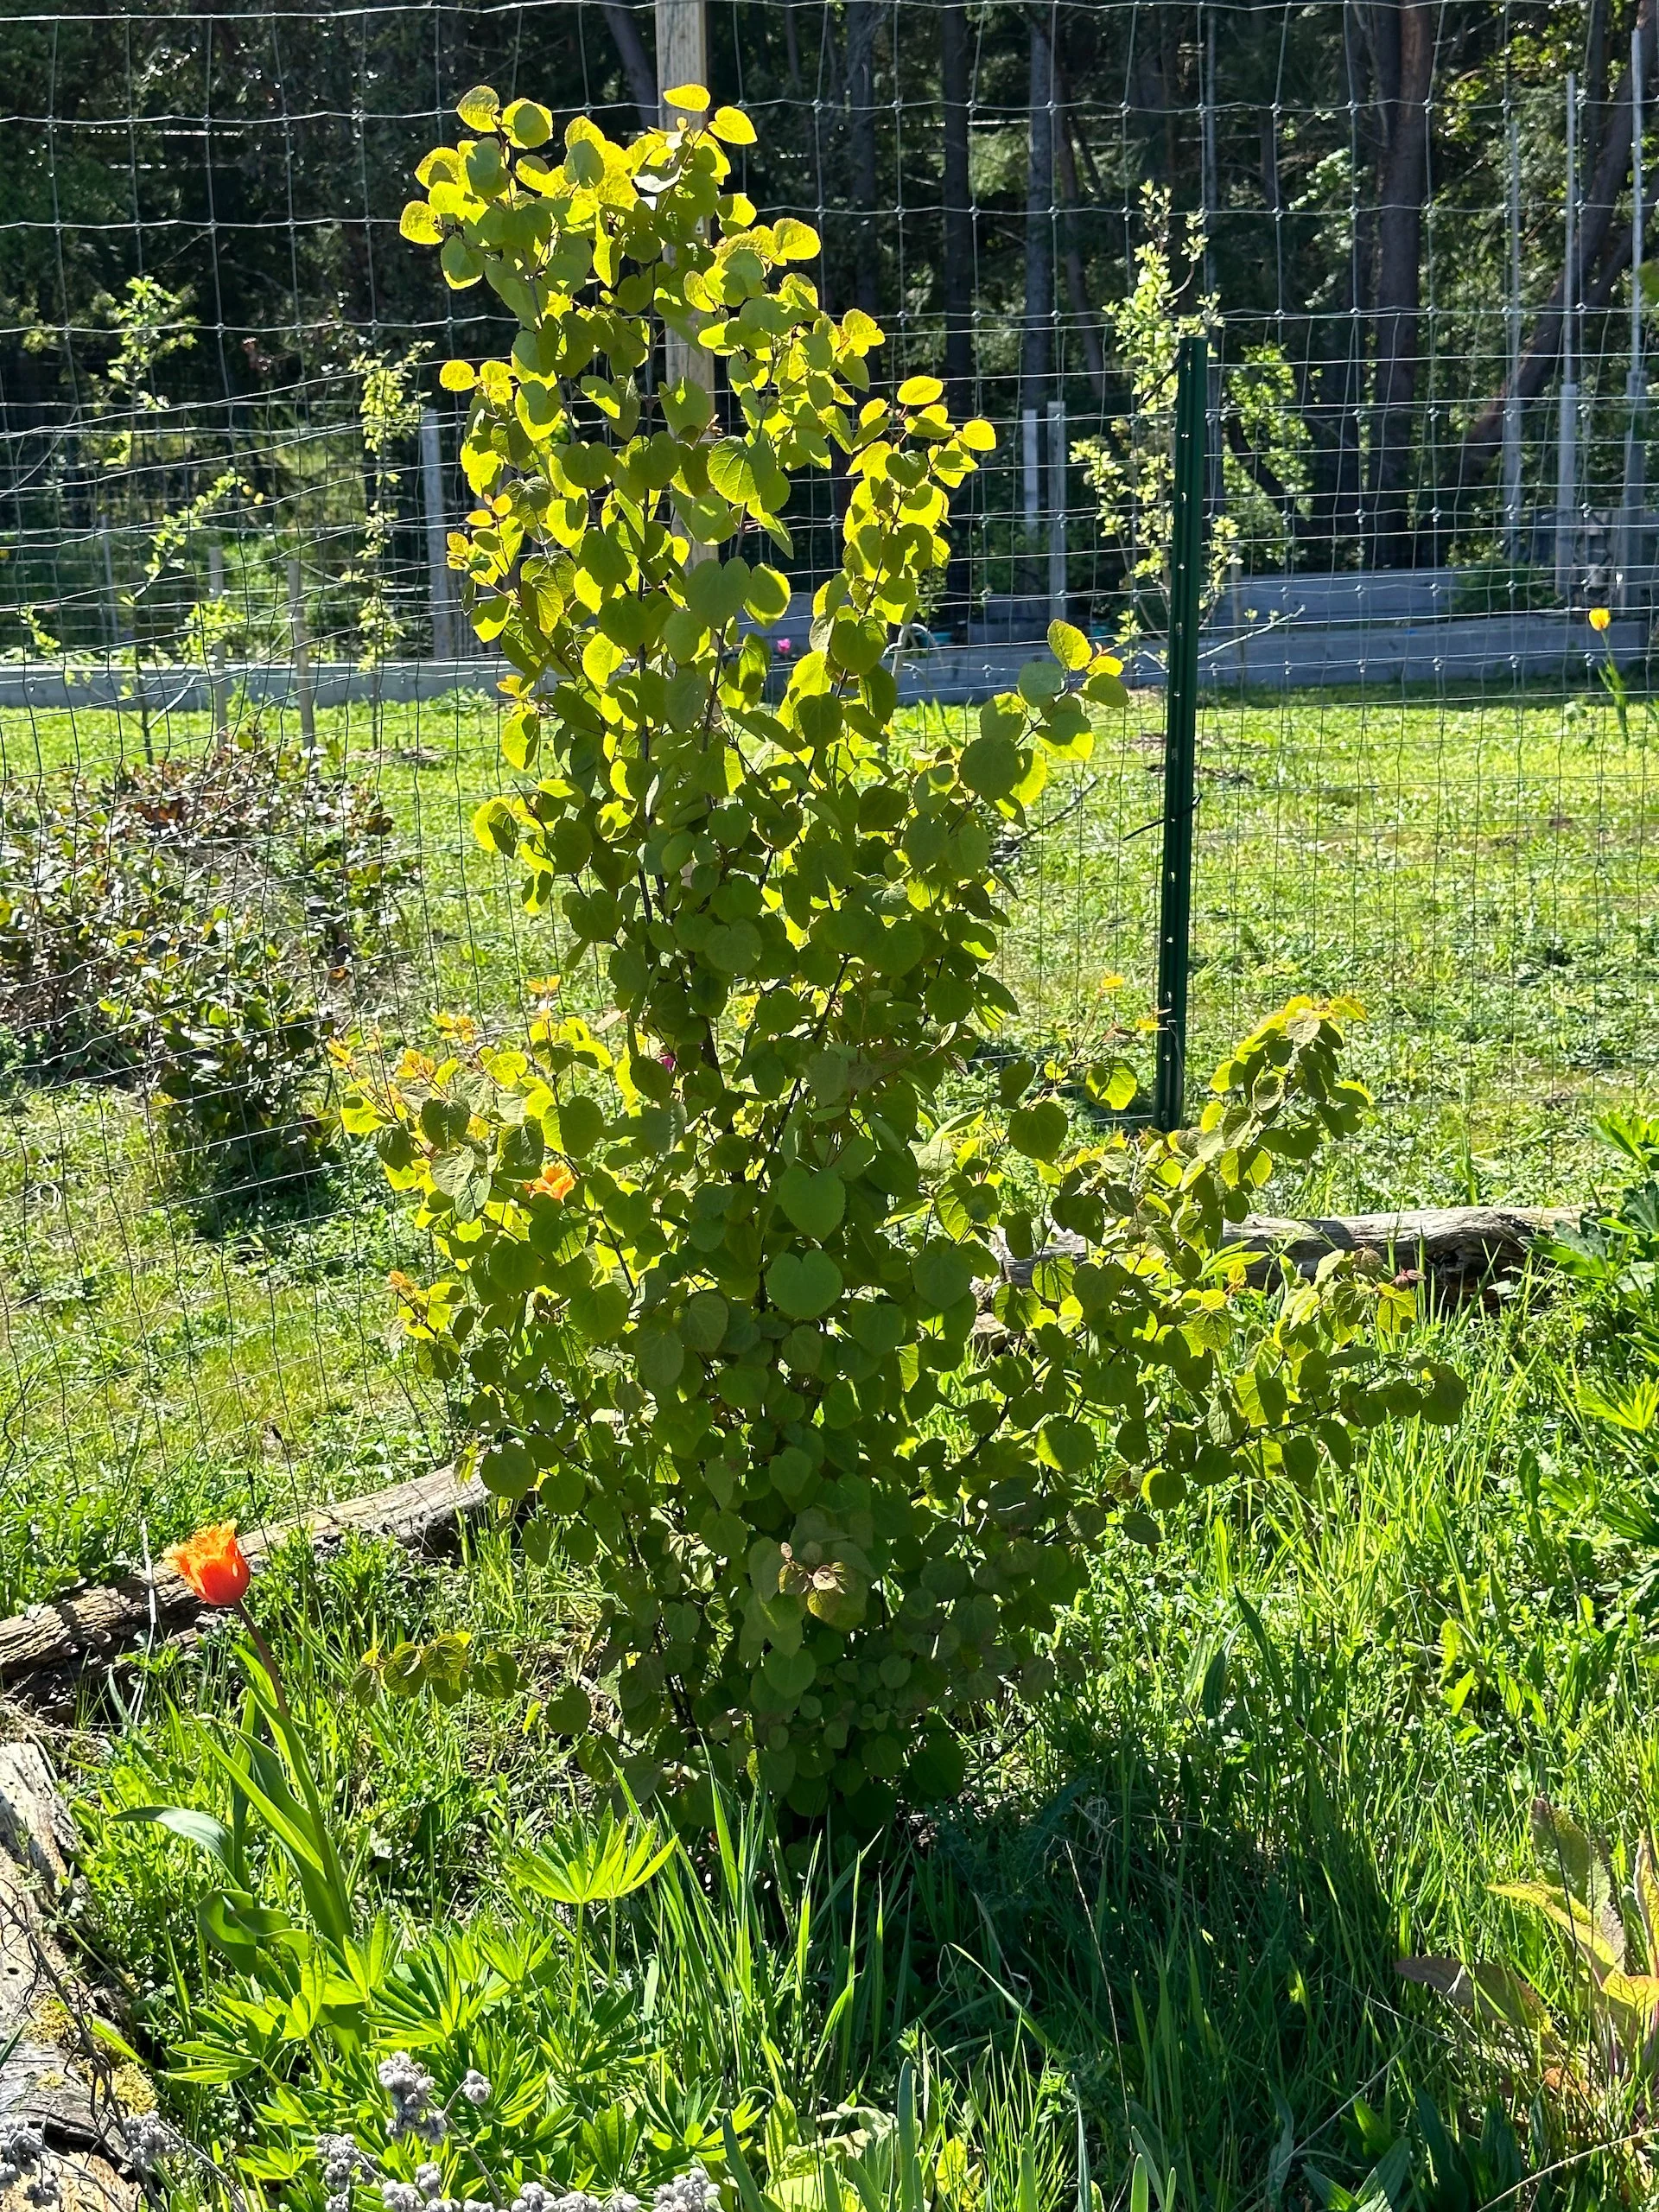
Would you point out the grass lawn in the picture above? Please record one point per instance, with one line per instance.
(1297, 1742)
(1483, 877)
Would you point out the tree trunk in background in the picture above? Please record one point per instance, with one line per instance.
(1404, 43)
(1602, 255)
(1084, 313)
(957, 243)
(862, 20)
(637, 65)
(957, 228)
(1595, 83)
(1037, 338)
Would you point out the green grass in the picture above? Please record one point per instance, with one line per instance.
(1174, 1894)
(1481, 876)
(1298, 1743)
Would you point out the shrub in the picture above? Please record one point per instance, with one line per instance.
(729, 1334)
(195, 924)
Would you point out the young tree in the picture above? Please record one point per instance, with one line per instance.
(711, 1292)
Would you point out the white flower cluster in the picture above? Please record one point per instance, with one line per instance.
(409, 2086)
(341, 2163)
(534, 2197)
(149, 2140)
(692, 2192)
(24, 2158)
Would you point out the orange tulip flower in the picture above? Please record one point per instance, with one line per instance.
(1600, 618)
(557, 1183)
(214, 1564)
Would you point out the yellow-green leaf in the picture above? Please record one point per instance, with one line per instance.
(527, 123)
(1068, 644)
(479, 109)
(731, 124)
(420, 224)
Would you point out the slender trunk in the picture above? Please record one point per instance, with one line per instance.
(862, 19)
(1602, 255)
(1406, 68)
(957, 228)
(957, 240)
(637, 65)
(1595, 80)
(791, 46)
(1083, 313)
(1036, 348)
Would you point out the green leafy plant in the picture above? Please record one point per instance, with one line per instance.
(318, 2010)
(197, 923)
(729, 1333)
(390, 413)
(1609, 1386)
(1606, 2037)
(232, 1036)
(1131, 469)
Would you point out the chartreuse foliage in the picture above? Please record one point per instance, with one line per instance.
(710, 1288)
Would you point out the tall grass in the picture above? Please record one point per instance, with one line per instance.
(1294, 1746)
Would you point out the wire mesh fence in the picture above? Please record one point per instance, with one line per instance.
(244, 720)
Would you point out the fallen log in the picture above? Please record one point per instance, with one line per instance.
(1441, 1241)
(1454, 1244)
(55, 2076)
(45, 1649)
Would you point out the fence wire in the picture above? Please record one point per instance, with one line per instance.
(243, 724)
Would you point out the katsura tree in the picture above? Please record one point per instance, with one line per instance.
(723, 1293)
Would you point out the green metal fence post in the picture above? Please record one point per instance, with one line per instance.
(1181, 731)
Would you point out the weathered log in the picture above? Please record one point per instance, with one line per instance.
(1452, 1243)
(53, 2075)
(1439, 1240)
(52, 1642)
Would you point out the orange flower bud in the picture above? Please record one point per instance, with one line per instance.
(1600, 618)
(214, 1564)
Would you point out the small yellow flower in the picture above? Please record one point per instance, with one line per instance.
(1600, 618)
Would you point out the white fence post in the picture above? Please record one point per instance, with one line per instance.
(1057, 580)
(437, 538)
(300, 646)
(1567, 457)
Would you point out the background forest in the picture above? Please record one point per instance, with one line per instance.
(200, 277)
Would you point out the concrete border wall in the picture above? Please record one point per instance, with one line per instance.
(1282, 654)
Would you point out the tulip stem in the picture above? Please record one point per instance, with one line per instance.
(267, 1660)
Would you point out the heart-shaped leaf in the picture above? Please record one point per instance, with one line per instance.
(792, 1673)
(1039, 1131)
(803, 1284)
(942, 1274)
(815, 1202)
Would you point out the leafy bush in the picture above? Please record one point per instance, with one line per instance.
(730, 1334)
(195, 924)
(1599, 2051)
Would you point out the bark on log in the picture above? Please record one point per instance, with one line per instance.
(52, 2076)
(59, 1639)
(1451, 1242)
